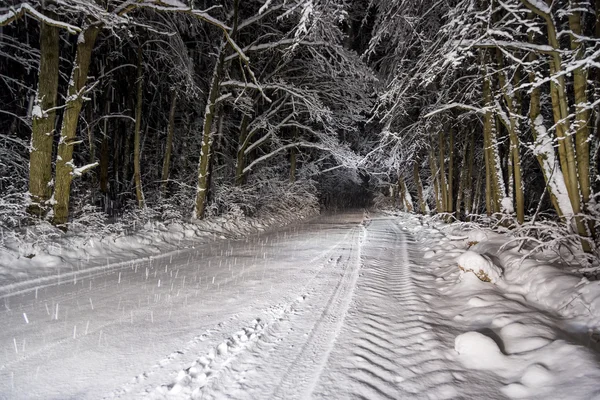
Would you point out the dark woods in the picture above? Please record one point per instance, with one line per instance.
(478, 110)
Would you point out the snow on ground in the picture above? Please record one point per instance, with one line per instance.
(34, 258)
(341, 306)
(534, 329)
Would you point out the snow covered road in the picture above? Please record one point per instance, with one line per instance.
(341, 306)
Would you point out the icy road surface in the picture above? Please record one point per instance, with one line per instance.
(340, 307)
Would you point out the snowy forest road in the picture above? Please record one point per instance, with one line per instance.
(329, 308)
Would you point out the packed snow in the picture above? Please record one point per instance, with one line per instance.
(346, 305)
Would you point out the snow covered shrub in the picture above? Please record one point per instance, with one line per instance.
(279, 197)
(13, 189)
(264, 198)
(176, 207)
(382, 202)
(235, 201)
(136, 218)
(480, 265)
(12, 210)
(553, 237)
(88, 217)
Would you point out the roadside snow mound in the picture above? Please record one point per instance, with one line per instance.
(22, 260)
(480, 265)
(536, 328)
(478, 351)
(547, 285)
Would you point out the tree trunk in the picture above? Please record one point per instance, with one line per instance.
(40, 158)
(560, 110)
(462, 179)
(419, 184)
(104, 156)
(434, 180)
(215, 148)
(293, 153)
(169, 144)
(582, 113)
(596, 151)
(293, 165)
(137, 173)
(241, 155)
(468, 195)
(400, 193)
(550, 170)
(404, 195)
(513, 134)
(491, 168)
(125, 180)
(207, 135)
(442, 174)
(451, 172)
(477, 197)
(64, 159)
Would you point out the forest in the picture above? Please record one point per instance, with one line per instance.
(117, 112)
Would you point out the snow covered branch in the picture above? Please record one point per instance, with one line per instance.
(25, 8)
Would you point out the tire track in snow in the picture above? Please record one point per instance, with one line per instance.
(190, 382)
(286, 360)
(304, 371)
(387, 350)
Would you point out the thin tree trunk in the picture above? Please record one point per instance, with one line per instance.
(442, 174)
(552, 174)
(451, 172)
(560, 109)
(241, 155)
(104, 156)
(40, 157)
(419, 184)
(75, 98)
(404, 195)
(468, 195)
(169, 144)
(582, 113)
(477, 197)
(487, 147)
(435, 181)
(513, 154)
(137, 173)
(462, 179)
(401, 193)
(293, 154)
(596, 151)
(215, 148)
(125, 179)
(207, 135)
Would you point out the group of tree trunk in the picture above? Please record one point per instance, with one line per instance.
(500, 108)
(469, 107)
(158, 99)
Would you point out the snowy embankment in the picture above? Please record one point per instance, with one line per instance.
(527, 320)
(31, 261)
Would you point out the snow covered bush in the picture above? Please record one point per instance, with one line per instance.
(281, 197)
(480, 265)
(382, 202)
(233, 200)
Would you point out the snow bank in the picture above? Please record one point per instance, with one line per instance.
(548, 285)
(480, 265)
(478, 351)
(35, 258)
(534, 328)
